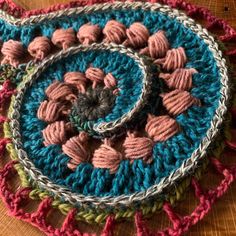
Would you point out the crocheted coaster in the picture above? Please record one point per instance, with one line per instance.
(112, 110)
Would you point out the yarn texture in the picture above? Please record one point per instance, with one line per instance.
(182, 143)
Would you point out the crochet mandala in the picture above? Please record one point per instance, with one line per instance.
(113, 110)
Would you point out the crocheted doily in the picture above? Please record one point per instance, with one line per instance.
(112, 111)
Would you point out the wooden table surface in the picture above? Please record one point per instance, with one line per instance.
(221, 221)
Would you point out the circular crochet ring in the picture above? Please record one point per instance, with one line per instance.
(93, 104)
(102, 128)
(186, 167)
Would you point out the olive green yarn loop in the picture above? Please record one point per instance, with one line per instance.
(15, 75)
(97, 215)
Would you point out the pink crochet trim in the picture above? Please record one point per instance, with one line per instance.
(180, 224)
(38, 218)
(206, 200)
(6, 92)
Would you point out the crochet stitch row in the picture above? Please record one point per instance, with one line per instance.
(84, 214)
(98, 216)
(181, 122)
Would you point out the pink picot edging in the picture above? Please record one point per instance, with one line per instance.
(179, 224)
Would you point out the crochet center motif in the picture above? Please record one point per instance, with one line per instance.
(125, 100)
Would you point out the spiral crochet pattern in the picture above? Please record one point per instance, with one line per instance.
(108, 109)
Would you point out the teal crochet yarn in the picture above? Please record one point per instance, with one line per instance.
(87, 177)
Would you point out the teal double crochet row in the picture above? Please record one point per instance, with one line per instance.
(167, 156)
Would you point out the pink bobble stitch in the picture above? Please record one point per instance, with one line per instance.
(56, 133)
(138, 147)
(175, 58)
(137, 35)
(178, 101)
(145, 51)
(179, 79)
(39, 48)
(109, 81)
(50, 111)
(107, 157)
(89, 33)
(60, 91)
(158, 44)
(96, 75)
(77, 79)
(64, 38)
(12, 52)
(76, 149)
(161, 128)
(114, 31)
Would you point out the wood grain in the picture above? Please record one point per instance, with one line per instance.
(221, 221)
